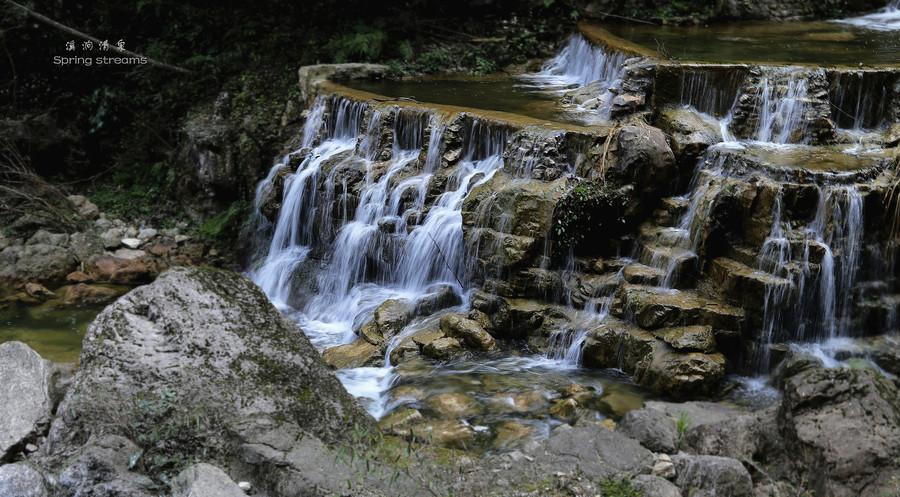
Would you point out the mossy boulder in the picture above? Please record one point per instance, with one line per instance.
(202, 356)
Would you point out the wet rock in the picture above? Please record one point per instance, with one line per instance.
(446, 433)
(443, 348)
(25, 404)
(78, 277)
(690, 133)
(517, 403)
(643, 157)
(453, 405)
(205, 480)
(356, 354)
(469, 332)
(654, 486)
(744, 285)
(652, 428)
(617, 344)
(82, 293)
(507, 220)
(38, 291)
(689, 338)
(681, 374)
(510, 433)
(21, 480)
(565, 410)
(399, 421)
(101, 467)
(712, 476)
(388, 320)
(439, 298)
(654, 308)
(146, 234)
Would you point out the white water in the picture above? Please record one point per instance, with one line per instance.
(782, 105)
(581, 63)
(886, 19)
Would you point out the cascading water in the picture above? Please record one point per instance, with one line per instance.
(375, 254)
(579, 64)
(886, 19)
(782, 105)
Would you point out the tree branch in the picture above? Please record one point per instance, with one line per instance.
(79, 34)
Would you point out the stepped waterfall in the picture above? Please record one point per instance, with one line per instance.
(401, 231)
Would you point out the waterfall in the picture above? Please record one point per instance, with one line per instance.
(383, 248)
(579, 63)
(709, 92)
(860, 99)
(886, 19)
(782, 105)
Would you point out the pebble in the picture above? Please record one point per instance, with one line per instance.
(132, 243)
(245, 486)
(30, 448)
(663, 467)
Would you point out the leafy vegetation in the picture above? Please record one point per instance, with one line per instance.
(682, 425)
(619, 488)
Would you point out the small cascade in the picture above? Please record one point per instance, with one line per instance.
(710, 92)
(582, 65)
(886, 19)
(782, 105)
(566, 346)
(860, 99)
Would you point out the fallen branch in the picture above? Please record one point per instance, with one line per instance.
(443, 258)
(79, 34)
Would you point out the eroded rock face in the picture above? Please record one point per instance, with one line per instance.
(25, 404)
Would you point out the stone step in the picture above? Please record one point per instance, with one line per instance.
(664, 236)
(653, 308)
(641, 274)
(678, 262)
(671, 210)
(744, 285)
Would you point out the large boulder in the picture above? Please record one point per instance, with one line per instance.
(201, 351)
(643, 157)
(25, 403)
(843, 427)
